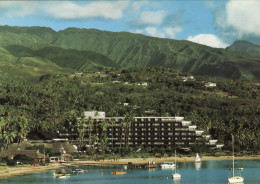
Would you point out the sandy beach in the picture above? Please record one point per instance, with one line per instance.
(15, 171)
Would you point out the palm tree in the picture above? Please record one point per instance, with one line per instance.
(121, 135)
(81, 128)
(104, 126)
(95, 139)
(112, 131)
(104, 141)
(9, 137)
(127, 121)
(90, 122)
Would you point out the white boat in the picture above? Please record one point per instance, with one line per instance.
(77, 170)
(235, 179)
(167, 165)
(176, 175)
(62, 177)
(197, 159)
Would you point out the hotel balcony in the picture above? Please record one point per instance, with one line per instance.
(192, 127)
(219, 146)
(199, 132)
(212, 142)
(179, 119)
(186, 123)
(207, 137)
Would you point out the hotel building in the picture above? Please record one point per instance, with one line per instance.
(142, 131)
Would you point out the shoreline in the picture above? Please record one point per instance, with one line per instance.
(16, 171)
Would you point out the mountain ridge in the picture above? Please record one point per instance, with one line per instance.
(136, 50)
(244, 46)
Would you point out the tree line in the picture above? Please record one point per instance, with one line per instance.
(232, 107)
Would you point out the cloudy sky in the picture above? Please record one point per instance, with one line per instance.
(217, 23)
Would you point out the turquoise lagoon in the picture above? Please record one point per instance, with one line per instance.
(207, 172)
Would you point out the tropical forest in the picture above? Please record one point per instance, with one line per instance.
(49, 78)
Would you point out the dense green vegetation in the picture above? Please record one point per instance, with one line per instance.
(244, 46)
(48, 78)
(127, 50)
(51, 103)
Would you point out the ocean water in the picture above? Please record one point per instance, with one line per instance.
(207, 172)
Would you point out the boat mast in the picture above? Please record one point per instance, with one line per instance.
(233, 155)
(175, 162)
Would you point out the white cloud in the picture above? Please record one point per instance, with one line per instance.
(138, 4)
(244, 16)
(154, 18)
(64, 9)
(152, 31)
(69, 10)
(139, 31)
(208, 39)
(164, 32)
(172, 31)
(17, 9)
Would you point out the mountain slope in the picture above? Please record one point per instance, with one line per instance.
(67, 58)
(244, 46)
(133, 50)
(28, 67)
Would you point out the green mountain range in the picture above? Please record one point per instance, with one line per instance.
(88, 49)
(244, 46)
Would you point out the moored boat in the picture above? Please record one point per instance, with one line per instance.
(166, 165)
(197, 159)
(62, 177)
(77, 170)
(235, 179)
(118, 172)
(176, 175)
(60, 174)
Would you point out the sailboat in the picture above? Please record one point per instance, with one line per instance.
(235, 179)
(197, 159)
(176, 175)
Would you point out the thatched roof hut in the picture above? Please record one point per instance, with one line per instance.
(66, 147)
(14, 151)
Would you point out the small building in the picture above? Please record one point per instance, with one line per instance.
(60, 146)
(219, 146)
(212, 142)
(94, 114)
(210, 84)
(126, 104)
(15, 151)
